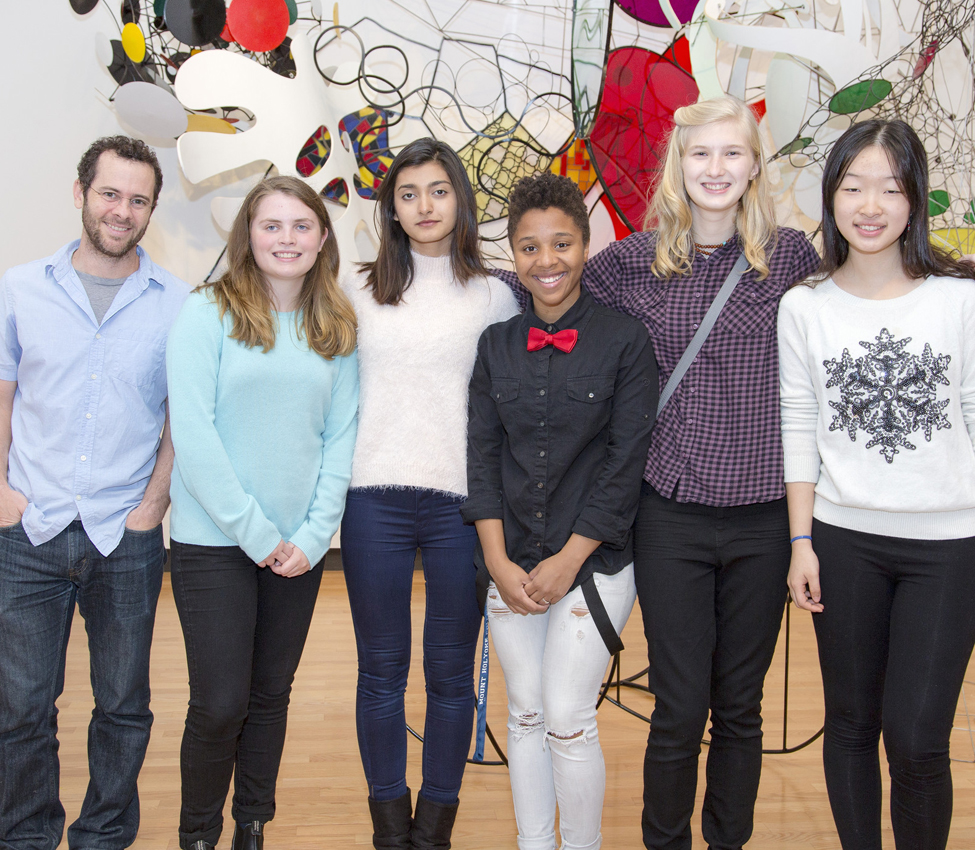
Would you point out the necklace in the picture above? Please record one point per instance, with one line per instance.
(708, 250)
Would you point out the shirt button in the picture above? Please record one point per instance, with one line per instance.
(87, 416)
(541, 454)
(539, 485)
(98, 336)
(541, 424)
(538, 514)
(77, 498)
(498, 395)
(697, 294)
(550, 328)
(690, 421)
(694, 326)
(93, 376)
(84, 458)
(538, 545)
(591, 395)
(693, 389)
(541, 392)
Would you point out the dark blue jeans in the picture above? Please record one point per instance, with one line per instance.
(711, 583)
(116, 596)
(245, 629)
(895, 637)
(381, 532)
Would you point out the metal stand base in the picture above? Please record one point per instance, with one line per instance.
(633, 682)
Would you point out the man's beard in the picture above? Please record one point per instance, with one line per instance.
(93, 231)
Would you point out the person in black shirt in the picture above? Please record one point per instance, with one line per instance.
(561, 404)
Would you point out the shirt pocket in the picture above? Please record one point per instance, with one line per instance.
(504, 389)
(752, 309)
(139, 363)
(591, 389)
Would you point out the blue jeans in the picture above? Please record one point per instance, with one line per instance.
(116, 596)
(381, 531)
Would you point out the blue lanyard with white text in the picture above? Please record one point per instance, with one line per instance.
(482, 694)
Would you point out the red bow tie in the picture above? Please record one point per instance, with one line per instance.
(563, 340)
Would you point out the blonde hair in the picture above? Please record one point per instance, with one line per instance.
(669, 211)
(323, 314)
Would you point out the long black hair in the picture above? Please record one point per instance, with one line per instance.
(910, 164)
(391, 274)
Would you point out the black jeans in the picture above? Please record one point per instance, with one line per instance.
(244, 629)
(894, 637)
(711, 583)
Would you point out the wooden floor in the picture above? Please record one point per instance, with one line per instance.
(322, 796)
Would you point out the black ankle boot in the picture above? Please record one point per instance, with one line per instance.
(391, 822)
(432, 825)
(249, 836)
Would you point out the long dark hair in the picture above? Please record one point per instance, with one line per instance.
(910, 164)
(391, 274)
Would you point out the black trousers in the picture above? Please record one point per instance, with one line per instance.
(711, 584)
(244, 629)
(895, 637)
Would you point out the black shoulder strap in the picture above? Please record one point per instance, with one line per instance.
(599, 616)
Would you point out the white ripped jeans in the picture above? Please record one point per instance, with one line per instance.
(553, 666)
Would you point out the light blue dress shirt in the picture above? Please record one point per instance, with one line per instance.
(90, 402)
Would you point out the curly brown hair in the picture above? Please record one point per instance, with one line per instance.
(543, 191)
(124, 147)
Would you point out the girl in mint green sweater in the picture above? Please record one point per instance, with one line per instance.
(263, 392)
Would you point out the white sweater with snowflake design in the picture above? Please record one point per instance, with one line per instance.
(415, 362)
(878, 406)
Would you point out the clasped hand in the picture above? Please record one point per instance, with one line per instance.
(534, 592)
(286, 560)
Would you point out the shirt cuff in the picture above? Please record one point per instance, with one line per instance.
(802, 468)
(482, 507)
(601, 525)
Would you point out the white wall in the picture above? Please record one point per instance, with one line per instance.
(54, 103)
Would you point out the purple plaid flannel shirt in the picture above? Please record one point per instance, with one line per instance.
(718, 441)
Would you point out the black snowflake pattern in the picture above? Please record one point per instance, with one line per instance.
(889, 393)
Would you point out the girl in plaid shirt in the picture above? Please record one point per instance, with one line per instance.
(711, 545)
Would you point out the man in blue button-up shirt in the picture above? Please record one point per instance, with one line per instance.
(85, 460)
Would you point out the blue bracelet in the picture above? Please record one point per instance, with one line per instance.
(800, 537)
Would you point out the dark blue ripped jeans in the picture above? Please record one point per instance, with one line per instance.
(381, 531)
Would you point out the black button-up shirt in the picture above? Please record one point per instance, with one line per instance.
(557, 441)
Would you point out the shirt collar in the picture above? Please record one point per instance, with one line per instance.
(148, 271)
(575, 317)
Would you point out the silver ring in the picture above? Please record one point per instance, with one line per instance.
(546, 602)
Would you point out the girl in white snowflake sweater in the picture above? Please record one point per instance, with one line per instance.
(877, 366)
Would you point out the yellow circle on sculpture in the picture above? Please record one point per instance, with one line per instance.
(133, 42)
(208, 124)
